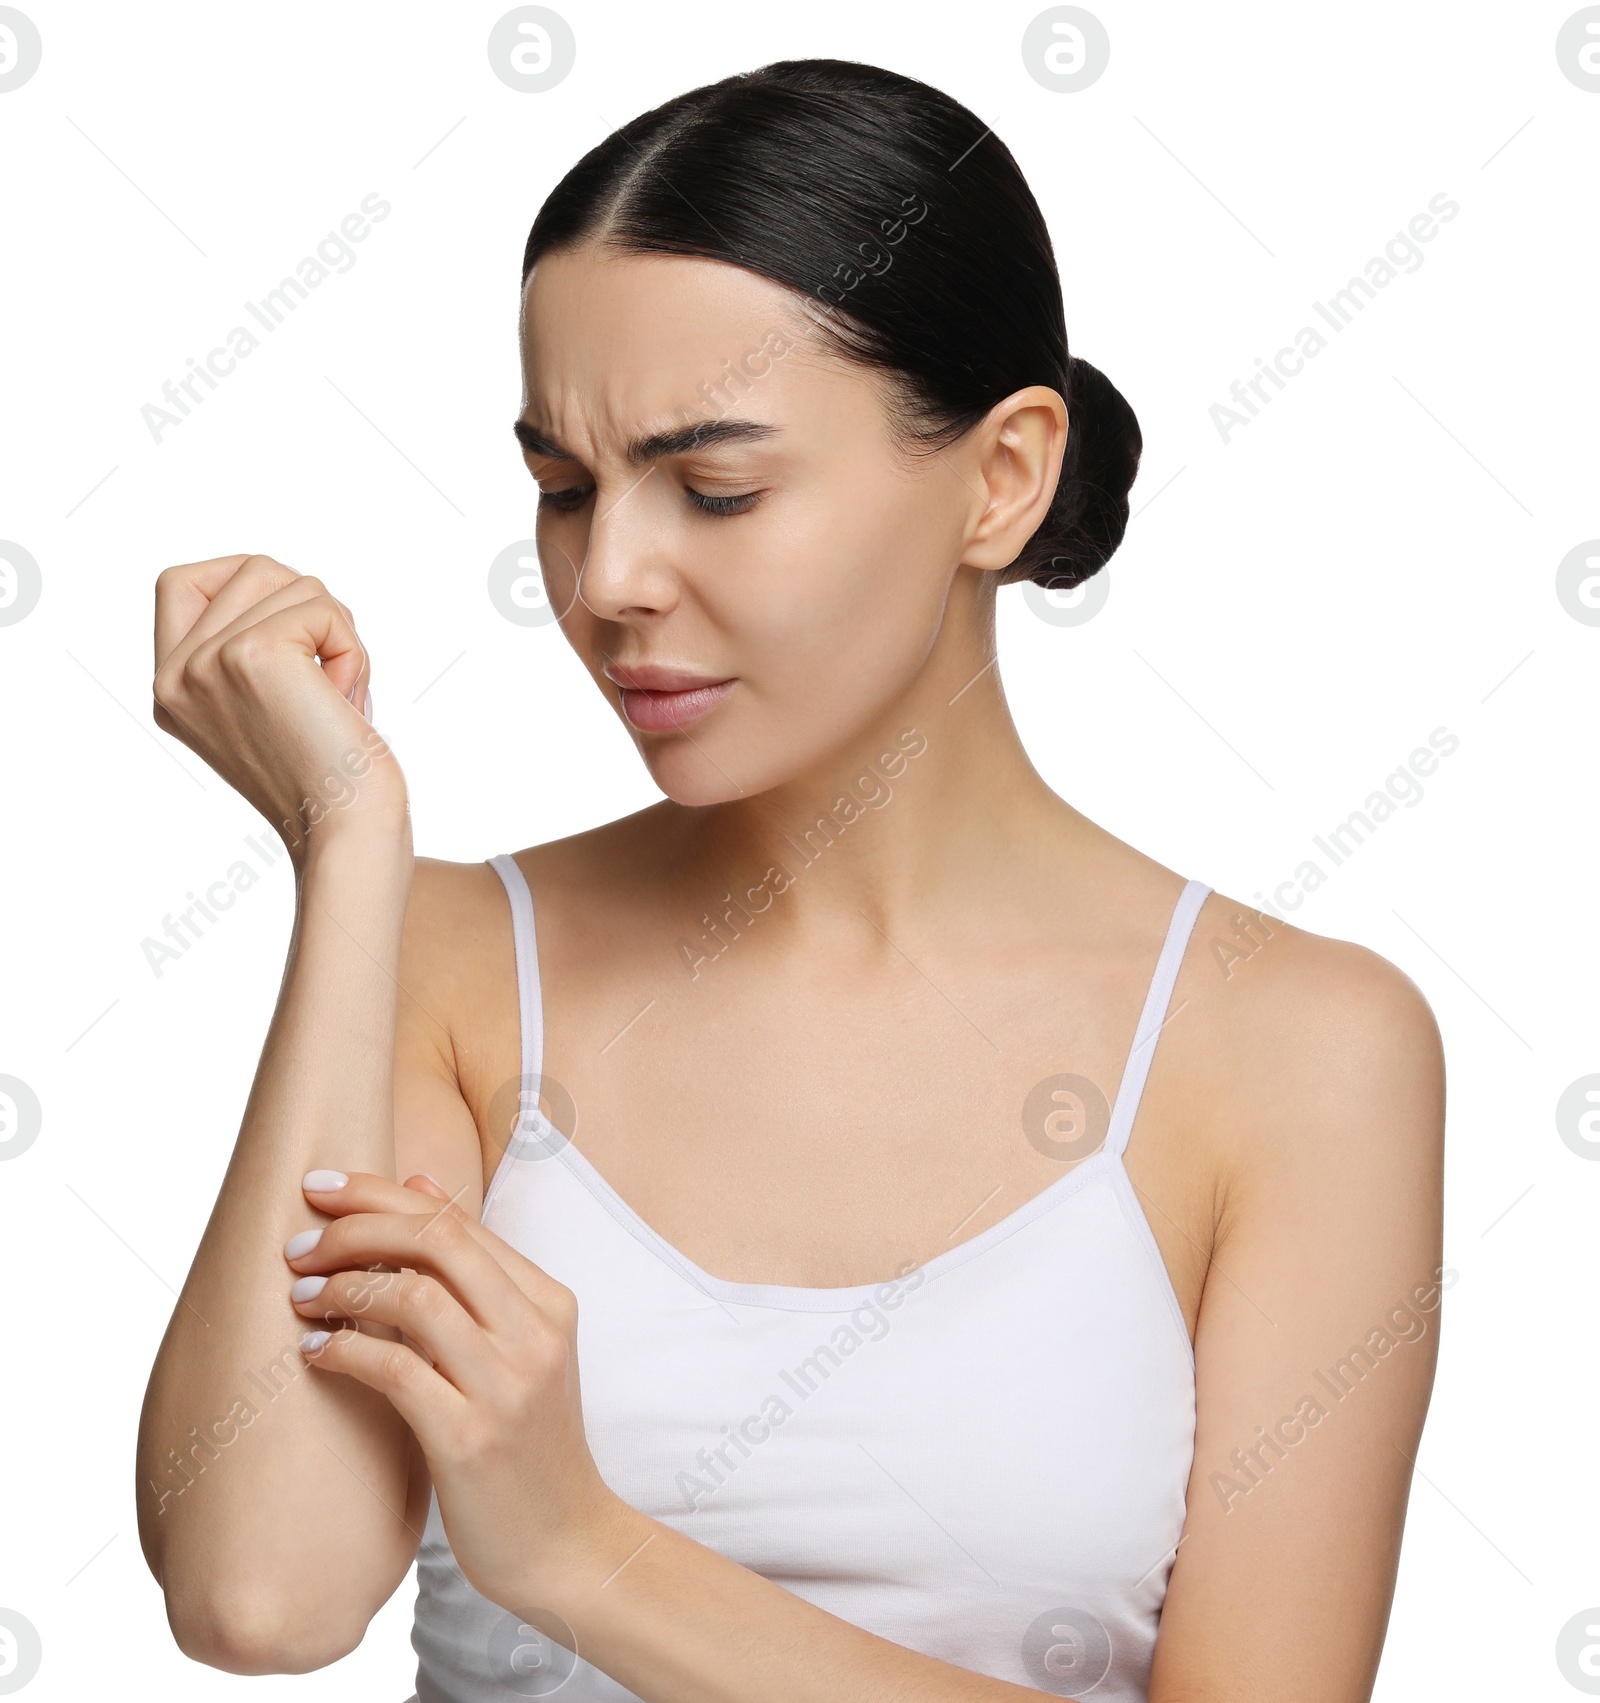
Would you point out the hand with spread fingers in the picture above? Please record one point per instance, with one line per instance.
(486, 1375)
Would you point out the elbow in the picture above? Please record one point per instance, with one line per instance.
(247, 1634)
(245, 1605)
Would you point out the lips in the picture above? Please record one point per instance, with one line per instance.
(663, 700)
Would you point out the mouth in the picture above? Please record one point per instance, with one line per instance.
(663, 700)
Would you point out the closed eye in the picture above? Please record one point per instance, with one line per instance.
(723, 505)
(570, 499)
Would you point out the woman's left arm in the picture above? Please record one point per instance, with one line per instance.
(1319, 1322)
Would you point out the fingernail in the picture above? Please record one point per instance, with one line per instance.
(307, 1288)
(312, 1341)
(366, 709)
(323, 1182)
(298, 1246)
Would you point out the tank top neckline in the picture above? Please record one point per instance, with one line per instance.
(535, 1138)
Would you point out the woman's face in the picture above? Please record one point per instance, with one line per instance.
(753, 602)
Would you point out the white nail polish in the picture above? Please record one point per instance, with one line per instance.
(367, 707)
(323, 1182)
(298, 1246)
(313, 1340)
(307, 1288)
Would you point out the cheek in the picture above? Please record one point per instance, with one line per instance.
(557, 568)
(844, 601)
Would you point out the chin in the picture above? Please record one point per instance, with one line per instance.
(719, 761)
(711, 765)
(697, 775)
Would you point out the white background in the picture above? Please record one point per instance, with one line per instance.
(1292, 613)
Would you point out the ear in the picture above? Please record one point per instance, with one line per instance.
(1016, 461)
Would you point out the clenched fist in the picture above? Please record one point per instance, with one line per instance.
(259, 671)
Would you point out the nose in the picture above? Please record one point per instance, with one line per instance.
(626, 568)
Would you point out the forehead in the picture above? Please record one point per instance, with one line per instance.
(590, 301)
(611, 339)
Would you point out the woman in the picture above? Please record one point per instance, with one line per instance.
(914, 1363)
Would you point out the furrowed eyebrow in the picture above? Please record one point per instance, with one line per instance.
(681, 440)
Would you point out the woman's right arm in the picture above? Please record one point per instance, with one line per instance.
(279, 1510)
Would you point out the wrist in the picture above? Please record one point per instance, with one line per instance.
(577, 1580)
(360, 797)
(373, 838)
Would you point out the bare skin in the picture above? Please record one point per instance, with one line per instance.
(878, 1026)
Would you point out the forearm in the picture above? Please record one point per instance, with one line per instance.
(676, 1622)
(266, 1494)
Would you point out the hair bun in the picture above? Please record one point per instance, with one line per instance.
(1086, 521)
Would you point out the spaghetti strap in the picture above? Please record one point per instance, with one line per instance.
(1154, 1018)
(529, 1004)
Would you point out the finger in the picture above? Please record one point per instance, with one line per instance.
(338, 1195)
(304, 613)
(424, 1399)
(195, 599)
(425, 1184)
(439, 1242)
(416, 1303)
(361, 687)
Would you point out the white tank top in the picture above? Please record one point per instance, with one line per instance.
(984, 1459)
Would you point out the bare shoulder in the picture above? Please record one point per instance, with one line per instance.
(458, 959)
(1322, 1060)
(1306, 989)
(449, 925)
(457, 910)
